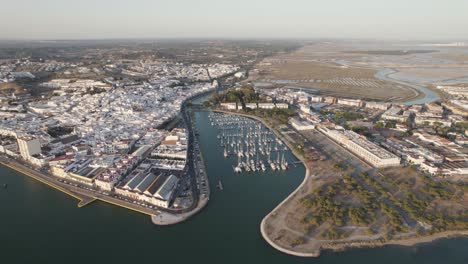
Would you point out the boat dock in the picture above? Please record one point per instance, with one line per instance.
(255, 146)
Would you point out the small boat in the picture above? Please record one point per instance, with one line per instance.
(238, 169)
(5, 186)
(273, 166)
(252, 165)
(220, 186)
(246, 166)
(283, 166)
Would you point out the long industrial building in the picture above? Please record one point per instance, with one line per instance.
(150, 188)
(368, 151)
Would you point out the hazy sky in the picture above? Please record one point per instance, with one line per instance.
(397, 19)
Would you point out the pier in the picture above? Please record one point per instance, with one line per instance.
(86, 201)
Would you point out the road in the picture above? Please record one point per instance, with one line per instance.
(85, 196)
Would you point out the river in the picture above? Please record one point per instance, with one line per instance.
(382, 74)
(429, 96)
(41, 225)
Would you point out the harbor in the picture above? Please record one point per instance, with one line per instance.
(253, 145)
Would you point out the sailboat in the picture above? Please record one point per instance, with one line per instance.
(252, 165)
(238, 168)
(283, 165)
(277, 163)
(273, 166)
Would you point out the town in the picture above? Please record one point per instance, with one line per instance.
(121, 137)
(430, 136)
(234, 132)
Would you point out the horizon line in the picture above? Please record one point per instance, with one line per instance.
(214, 38)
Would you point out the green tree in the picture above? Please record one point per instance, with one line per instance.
(389, 125)
(379, 125)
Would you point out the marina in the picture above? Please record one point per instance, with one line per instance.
(253, 145)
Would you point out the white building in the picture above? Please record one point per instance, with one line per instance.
(395, 113)
(28, 147)
(229, 106)
(150, 188)
(431, 121)
(282, 105)
(377, 105)
(350, 102)
(304, 108)
(266, 105)
(329, 99)
(301, 125)
(316, 99)
(362, 147)
(251, 105)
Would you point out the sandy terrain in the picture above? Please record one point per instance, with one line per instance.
(284, 229)
(316, 67)
(430, 75)
(455, 56)
(337, 69)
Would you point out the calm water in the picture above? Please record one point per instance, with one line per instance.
(429, 96)
(41, 225)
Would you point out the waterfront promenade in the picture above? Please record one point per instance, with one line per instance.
(84, 196)
(159, 216)
(24, 169)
